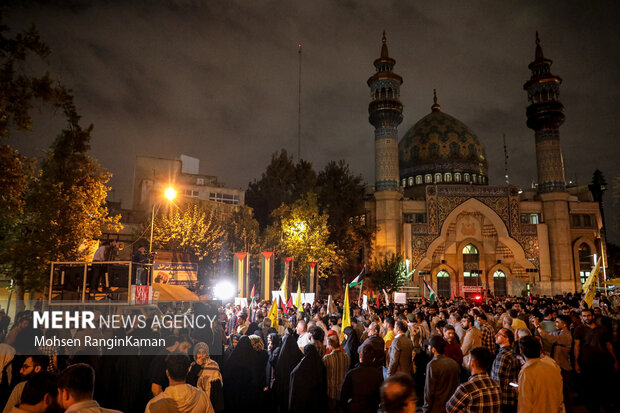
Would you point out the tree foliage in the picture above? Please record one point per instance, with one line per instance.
(388, 273)
(300, 231)
(190, 229)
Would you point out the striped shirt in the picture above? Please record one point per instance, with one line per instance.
(488, 337)
(506, 370)
(336, 366)
(479, 394)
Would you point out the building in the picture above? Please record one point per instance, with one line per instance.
(433, 204)
(153, 175)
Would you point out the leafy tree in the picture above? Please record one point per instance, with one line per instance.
(190, 229)
(283, 182)
(388, 273)
(301, 231)
(48, 211)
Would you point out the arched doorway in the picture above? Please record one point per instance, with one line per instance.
(471, 262)
(499, 283)
(443, 283)
(585, 262)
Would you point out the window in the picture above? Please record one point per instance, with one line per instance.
(474, 178)
(190, 193)
(224, 198)
(530, 218)
(419, 218)
(428, 179)
(585, 262)
(457, 177)
(443, 283)
(411, 181)
(438, 178)
(466, 177)
(200, 181)
(499, 283)
(447, 177)
(583, 221)
(471, 274)
(403, 183)
(418, 180)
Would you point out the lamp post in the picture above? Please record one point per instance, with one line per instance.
(170, 193)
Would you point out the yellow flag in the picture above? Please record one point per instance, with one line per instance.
(589, 287)
(346, 314)
(298, 303)
(283, 289)
(273, 313)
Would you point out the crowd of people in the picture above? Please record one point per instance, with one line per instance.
(543, 354)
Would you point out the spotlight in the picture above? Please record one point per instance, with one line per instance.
(224, 290)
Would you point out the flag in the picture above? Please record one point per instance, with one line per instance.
(359, 279)
(589, 287)
(289, 303)
(273, 314)
(298, 303)
(378, 303)
(452, 295)
(252, 294)
(346, 315)
(283, 287)
(432, 296)
(331, 308)
(387, 297)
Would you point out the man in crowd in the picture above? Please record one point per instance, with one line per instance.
(486, 332)
(442, 377)
(398, 394)
(480, 393)
(32, 365)
(540, 384)
(75, 390)
(455, 321)
(39, 395)
(360, 389)
(401, 350)
(304, 336)
(376, 342)
(389, 336)
(472, 338)
(179, 396)
(595, 362)
(453, 349)
(336, 365)
(506, 370)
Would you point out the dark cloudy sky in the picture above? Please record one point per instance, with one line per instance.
(218, 79)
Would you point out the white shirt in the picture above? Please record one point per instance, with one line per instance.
(303, 340)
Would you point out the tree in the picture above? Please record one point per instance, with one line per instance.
(388, 273)
(301, 231)
(190, 229)
(51, 210)
(283, 182)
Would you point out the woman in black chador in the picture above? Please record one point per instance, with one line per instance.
(289, 357)
(243, 377)
(308, 384)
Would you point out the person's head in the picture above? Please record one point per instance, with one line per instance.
(504, 337)
(177, 366)
(201, 353)
(374, 329)
(530, 347)
(481, 359)
(438, 345)
(40, 393)
(266, 322)
(142, 250)
(368, 354)
(389, 323)
(317, 334)
(449, 333)
(398, 394)
(507, 322)
(455, 317)
(172, 342)
(513, 312)
(467, 321)
(587, 316)
(301, 327)
(75, 384)
(400, 327)
(482, 318)
(32, 365)
(522, 332)
(562, 322)
(334, 342)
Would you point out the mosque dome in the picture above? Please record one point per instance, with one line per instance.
(441, 149)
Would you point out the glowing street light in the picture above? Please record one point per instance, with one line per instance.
(170, 193)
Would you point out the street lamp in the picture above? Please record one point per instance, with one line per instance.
(170, 193)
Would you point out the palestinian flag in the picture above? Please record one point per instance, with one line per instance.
(432, 296)
(359, 279)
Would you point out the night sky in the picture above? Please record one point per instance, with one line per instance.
(218, 80)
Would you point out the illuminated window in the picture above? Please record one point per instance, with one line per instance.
(499, 283)
(418, 179)
(457, 177)
(411, 181)
(437, 178)
(466, 177)
(443, 283)
(447, 177)
(428, 179)
(585, 262)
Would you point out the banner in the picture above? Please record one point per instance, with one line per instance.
(241, 301)
(306, 298)
(175, 273)
(241, 267)
(312, 280)
(365, 302)
(277, 295)
(266, 274)
(400, 298)
(141, 294)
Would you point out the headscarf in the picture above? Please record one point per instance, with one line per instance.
(259, 333)
(308, 392)
(351, 344)
(210, 370)
(7, 353)
(289, 357)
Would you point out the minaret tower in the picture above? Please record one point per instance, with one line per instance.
(385, 114)
(545, 114)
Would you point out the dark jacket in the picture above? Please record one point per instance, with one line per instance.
(360, 389)
(442, 379)
(377, 343)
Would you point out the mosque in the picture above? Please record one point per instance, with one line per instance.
(433, 205)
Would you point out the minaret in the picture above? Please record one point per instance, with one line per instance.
(385, 114)
(545, 114)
